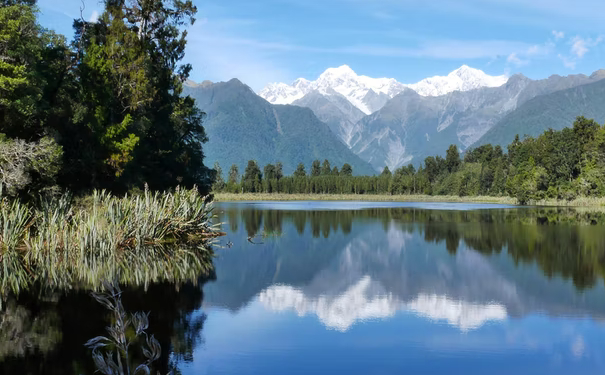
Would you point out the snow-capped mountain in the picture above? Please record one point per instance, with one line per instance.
(464, 78)
(342, 80)
(370, 94)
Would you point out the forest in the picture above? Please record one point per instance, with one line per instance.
(102, 111)
(564, 165)
(101, 158)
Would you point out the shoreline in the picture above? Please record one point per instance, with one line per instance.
(580, 202)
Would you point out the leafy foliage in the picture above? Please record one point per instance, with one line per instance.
(112, 100)
(29, 165)
(111, 354)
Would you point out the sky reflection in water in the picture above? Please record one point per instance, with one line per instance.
(388, 292)
(349, 287)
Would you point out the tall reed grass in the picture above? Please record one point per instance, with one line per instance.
(146, 237)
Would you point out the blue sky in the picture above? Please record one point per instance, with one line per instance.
(280, 40)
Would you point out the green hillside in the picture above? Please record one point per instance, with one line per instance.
(242, 126)
(557, 111)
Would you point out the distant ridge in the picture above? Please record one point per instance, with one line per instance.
(242, 126)
(362, 91)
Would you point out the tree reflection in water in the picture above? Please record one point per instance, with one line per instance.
(562, 241)
(43, 329)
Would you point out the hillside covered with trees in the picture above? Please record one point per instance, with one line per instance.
(243, 126)
(563, 164)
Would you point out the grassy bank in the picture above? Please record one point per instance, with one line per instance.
(580, 202)
(106, 237)
(224, 197)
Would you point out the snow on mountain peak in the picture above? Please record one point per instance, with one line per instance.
(341, 71)
(355, 88)
(462, 79)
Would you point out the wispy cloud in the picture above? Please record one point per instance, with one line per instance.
(569, 63)
(514, 59)
(438, 49)
(558, 34)
(217, 53)
(580, 46)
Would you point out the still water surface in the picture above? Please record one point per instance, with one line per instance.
(357, 288)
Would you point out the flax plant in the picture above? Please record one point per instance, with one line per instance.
(148, 237)
(111, 353)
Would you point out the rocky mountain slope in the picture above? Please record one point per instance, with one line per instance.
(411, 127)
(557, 111)
(340, 97)
(242, 126)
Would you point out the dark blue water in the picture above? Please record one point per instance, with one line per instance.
(365, 288)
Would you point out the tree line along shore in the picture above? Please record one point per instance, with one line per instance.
(564, 167)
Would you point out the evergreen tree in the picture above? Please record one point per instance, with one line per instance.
(300, 171)
(233, 178)
(346, 170)
(219, 182)
(452, 159)
(279, 170)
(315, 168)
(252, 179)
(335, 171)
(233, 174)
(32, 61)
(269, 172)
(137, 126)
(326, 169)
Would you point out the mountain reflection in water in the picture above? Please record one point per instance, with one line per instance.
(350, 266)
(369, 289)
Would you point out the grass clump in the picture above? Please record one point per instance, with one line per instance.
(149, 236)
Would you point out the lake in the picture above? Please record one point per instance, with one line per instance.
(352, 287)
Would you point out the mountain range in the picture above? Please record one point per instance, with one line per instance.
(387, 123)
(242, 126)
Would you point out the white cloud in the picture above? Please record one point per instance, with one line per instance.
(217, 53)
(578, 347)
(514, 59)
(366, 300)
(558, 34)
(580, 46)
(569, 63)
(524, 56)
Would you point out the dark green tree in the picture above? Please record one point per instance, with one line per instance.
(269, 172)
(136, 124)
(300, 171)
(326, 169)
(233, 174)
(452, 159)
(346, 170)
(32, 61)
(315, 168)
(219, 182)
(252, 179)
(279, 170)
